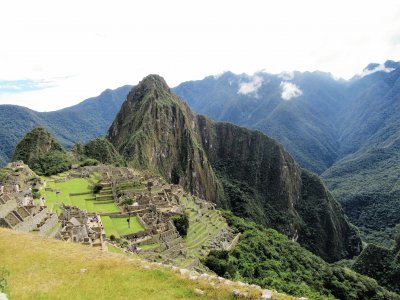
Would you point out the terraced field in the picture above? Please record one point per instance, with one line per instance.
(203, 226)
(86, 200)
(119, 226)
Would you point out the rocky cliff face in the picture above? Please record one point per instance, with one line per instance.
(156, 130)
(239, 169)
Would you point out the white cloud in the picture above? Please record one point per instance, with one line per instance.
(290, 90)
(250, 87)
(378, 68)
(286, 75)
(218, 75)
(185, 40)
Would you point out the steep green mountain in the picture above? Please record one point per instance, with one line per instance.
(239, 169)
(42, 153)
(269, 259)
(77, 124)
(99, 149)
(347, 131)
(304, 123)
(155, 130)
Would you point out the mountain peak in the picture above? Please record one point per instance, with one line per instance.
(153, 82)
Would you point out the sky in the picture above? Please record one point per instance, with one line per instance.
(54, 54)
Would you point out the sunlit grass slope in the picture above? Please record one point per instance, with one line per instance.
(42, 268)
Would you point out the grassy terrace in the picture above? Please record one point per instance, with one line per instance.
(51, 270)
(119, 226)
(201, 228)
(75, 185)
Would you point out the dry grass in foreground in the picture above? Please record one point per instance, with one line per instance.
(42, 268)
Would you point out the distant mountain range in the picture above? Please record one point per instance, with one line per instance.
(239, 169)
(76, 124)
(346, 131)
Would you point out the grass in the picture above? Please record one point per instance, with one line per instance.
(149, 246)
(51, 270)
(113, 249)
(75, 185)
(121, 225)
(109, 227)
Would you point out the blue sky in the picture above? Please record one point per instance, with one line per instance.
(23, 85)
(55, 54)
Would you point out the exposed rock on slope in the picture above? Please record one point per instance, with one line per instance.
(156, 130)
(239, 169)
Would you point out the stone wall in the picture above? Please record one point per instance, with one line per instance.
(30, 223)
(143, 223)
(50, 223)
(234, 242)
(6, 208)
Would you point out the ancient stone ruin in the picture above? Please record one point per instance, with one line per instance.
(79, 226)
(17, 208)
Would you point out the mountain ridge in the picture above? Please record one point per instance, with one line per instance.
(76, 124)
(328, 126)
(156, 129)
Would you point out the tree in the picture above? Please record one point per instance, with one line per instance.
(182, 224)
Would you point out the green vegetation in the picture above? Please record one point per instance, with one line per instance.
(120, 226)
(89, 162)
(76, 124)
(42, 153)
(51, 269)
(99, 150)
(270, 259)
(182, 224)
(263, 183)
(74, 186)
(236, 168)
(52, 163)
(369, 190)
(382, 264)
(4, 273)
(345, 131)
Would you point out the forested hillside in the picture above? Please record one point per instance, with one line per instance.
(76, 124)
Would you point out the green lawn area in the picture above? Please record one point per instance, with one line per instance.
(51, 270)
(109, 226)
(119, 226)
(75, 185)
(149, 246)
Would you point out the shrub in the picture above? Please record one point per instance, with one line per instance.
(127, 201)
(36, 194)
(97, 188)
(3, 279)
(182, 224)
(89, 162)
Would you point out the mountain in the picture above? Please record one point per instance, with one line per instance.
(299, 121)
(346, 131)
(77, 124)
(239, 169)
(100, 150)
(42, 153)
